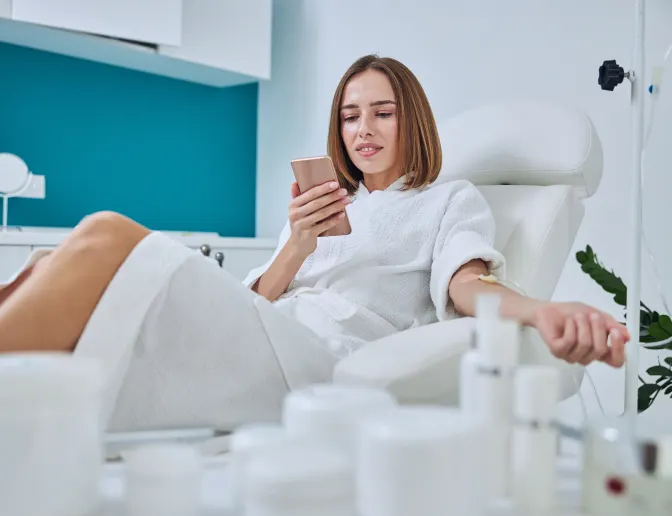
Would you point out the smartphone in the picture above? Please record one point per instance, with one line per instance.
(311, 172)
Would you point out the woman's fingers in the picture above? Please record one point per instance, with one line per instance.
(329, 223)
(565, 344)
(314, 206)
(616, 356)
(584, 341)
(598, 328)
(295, 190)
(314, 193)
(323, 213)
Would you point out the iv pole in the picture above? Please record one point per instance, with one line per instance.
(611, 75)
(635, 239)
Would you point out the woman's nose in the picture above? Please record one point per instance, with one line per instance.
(365, 129)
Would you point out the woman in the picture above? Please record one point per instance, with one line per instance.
(184, 343)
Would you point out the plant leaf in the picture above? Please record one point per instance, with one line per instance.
(606, 279)
(659, 346)
(668, 390)
(643, 402)
(665, 323)
(621, 298)
(648, 389)
(659, 371)
(668, 361)
(658, 332)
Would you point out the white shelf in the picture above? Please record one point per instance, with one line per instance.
(51, 237)
(117, 53)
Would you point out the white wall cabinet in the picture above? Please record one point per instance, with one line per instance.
(213, 42)
(226, 34)
(237, 255)
(150, 21)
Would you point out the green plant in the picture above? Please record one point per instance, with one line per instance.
(655, 330)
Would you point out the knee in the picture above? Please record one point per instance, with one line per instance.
(108, 228)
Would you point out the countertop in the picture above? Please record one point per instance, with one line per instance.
(216, 499)
(49, 237)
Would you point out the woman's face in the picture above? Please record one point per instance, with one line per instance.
(369, 126)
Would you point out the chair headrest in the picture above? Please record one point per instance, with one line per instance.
(522, 142)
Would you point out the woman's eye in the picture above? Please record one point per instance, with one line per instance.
(350, 118)
(385, 115)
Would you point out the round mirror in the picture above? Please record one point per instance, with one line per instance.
(13, 174)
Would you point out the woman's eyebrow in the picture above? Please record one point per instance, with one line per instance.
(372, 104)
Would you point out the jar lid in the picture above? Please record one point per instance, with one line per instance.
(297, 472)
(536, 393)
(331, 405)
(163, 460)
(254, 435)
(47, 377)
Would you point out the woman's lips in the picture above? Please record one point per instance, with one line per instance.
(367, 152)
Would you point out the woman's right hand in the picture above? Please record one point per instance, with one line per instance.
(313, 212)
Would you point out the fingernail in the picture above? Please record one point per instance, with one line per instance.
(595, 316)
(345, 200)
(342, 191)
(333, 185)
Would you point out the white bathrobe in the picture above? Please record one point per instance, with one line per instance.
(392, 272)
(185, 344)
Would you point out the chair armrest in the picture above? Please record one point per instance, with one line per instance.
(422, 365)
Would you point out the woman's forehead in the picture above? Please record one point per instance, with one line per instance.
(366, 87)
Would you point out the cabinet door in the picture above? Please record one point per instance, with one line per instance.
(12, 258)
(227, 34)
(5, 8)
(150, 21)
(241, 261)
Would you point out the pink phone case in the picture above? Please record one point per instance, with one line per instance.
(315, 171)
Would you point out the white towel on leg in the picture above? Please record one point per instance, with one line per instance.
(184, 343)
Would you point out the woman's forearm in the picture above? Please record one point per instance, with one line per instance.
(466, 287)
(274, 282)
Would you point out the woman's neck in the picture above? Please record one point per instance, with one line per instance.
(374, 182)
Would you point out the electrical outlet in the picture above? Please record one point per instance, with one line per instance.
(37, 189)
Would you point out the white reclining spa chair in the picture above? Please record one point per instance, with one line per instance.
(534, 162)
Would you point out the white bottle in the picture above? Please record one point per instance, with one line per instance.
(51, 434)
(330, 413)
(164, 479)
(299, 479)
(246, 441)
(418, 461)
(536, 394)
(499, 345)
(487, 309)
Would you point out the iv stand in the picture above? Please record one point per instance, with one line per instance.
(611, 75)
(634, 241)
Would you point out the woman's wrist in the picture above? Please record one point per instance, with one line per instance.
(529, 310)
(523, 309)
(295, 251)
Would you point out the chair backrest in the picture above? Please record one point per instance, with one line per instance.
(534, 162)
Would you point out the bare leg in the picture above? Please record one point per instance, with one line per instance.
(11, 288)
(49, 309)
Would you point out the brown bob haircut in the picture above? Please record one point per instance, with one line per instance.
(418, 138)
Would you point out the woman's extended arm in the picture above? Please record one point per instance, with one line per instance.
(573, 331)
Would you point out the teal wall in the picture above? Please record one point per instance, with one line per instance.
(170, 154)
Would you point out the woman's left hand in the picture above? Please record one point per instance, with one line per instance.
(580, 334)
